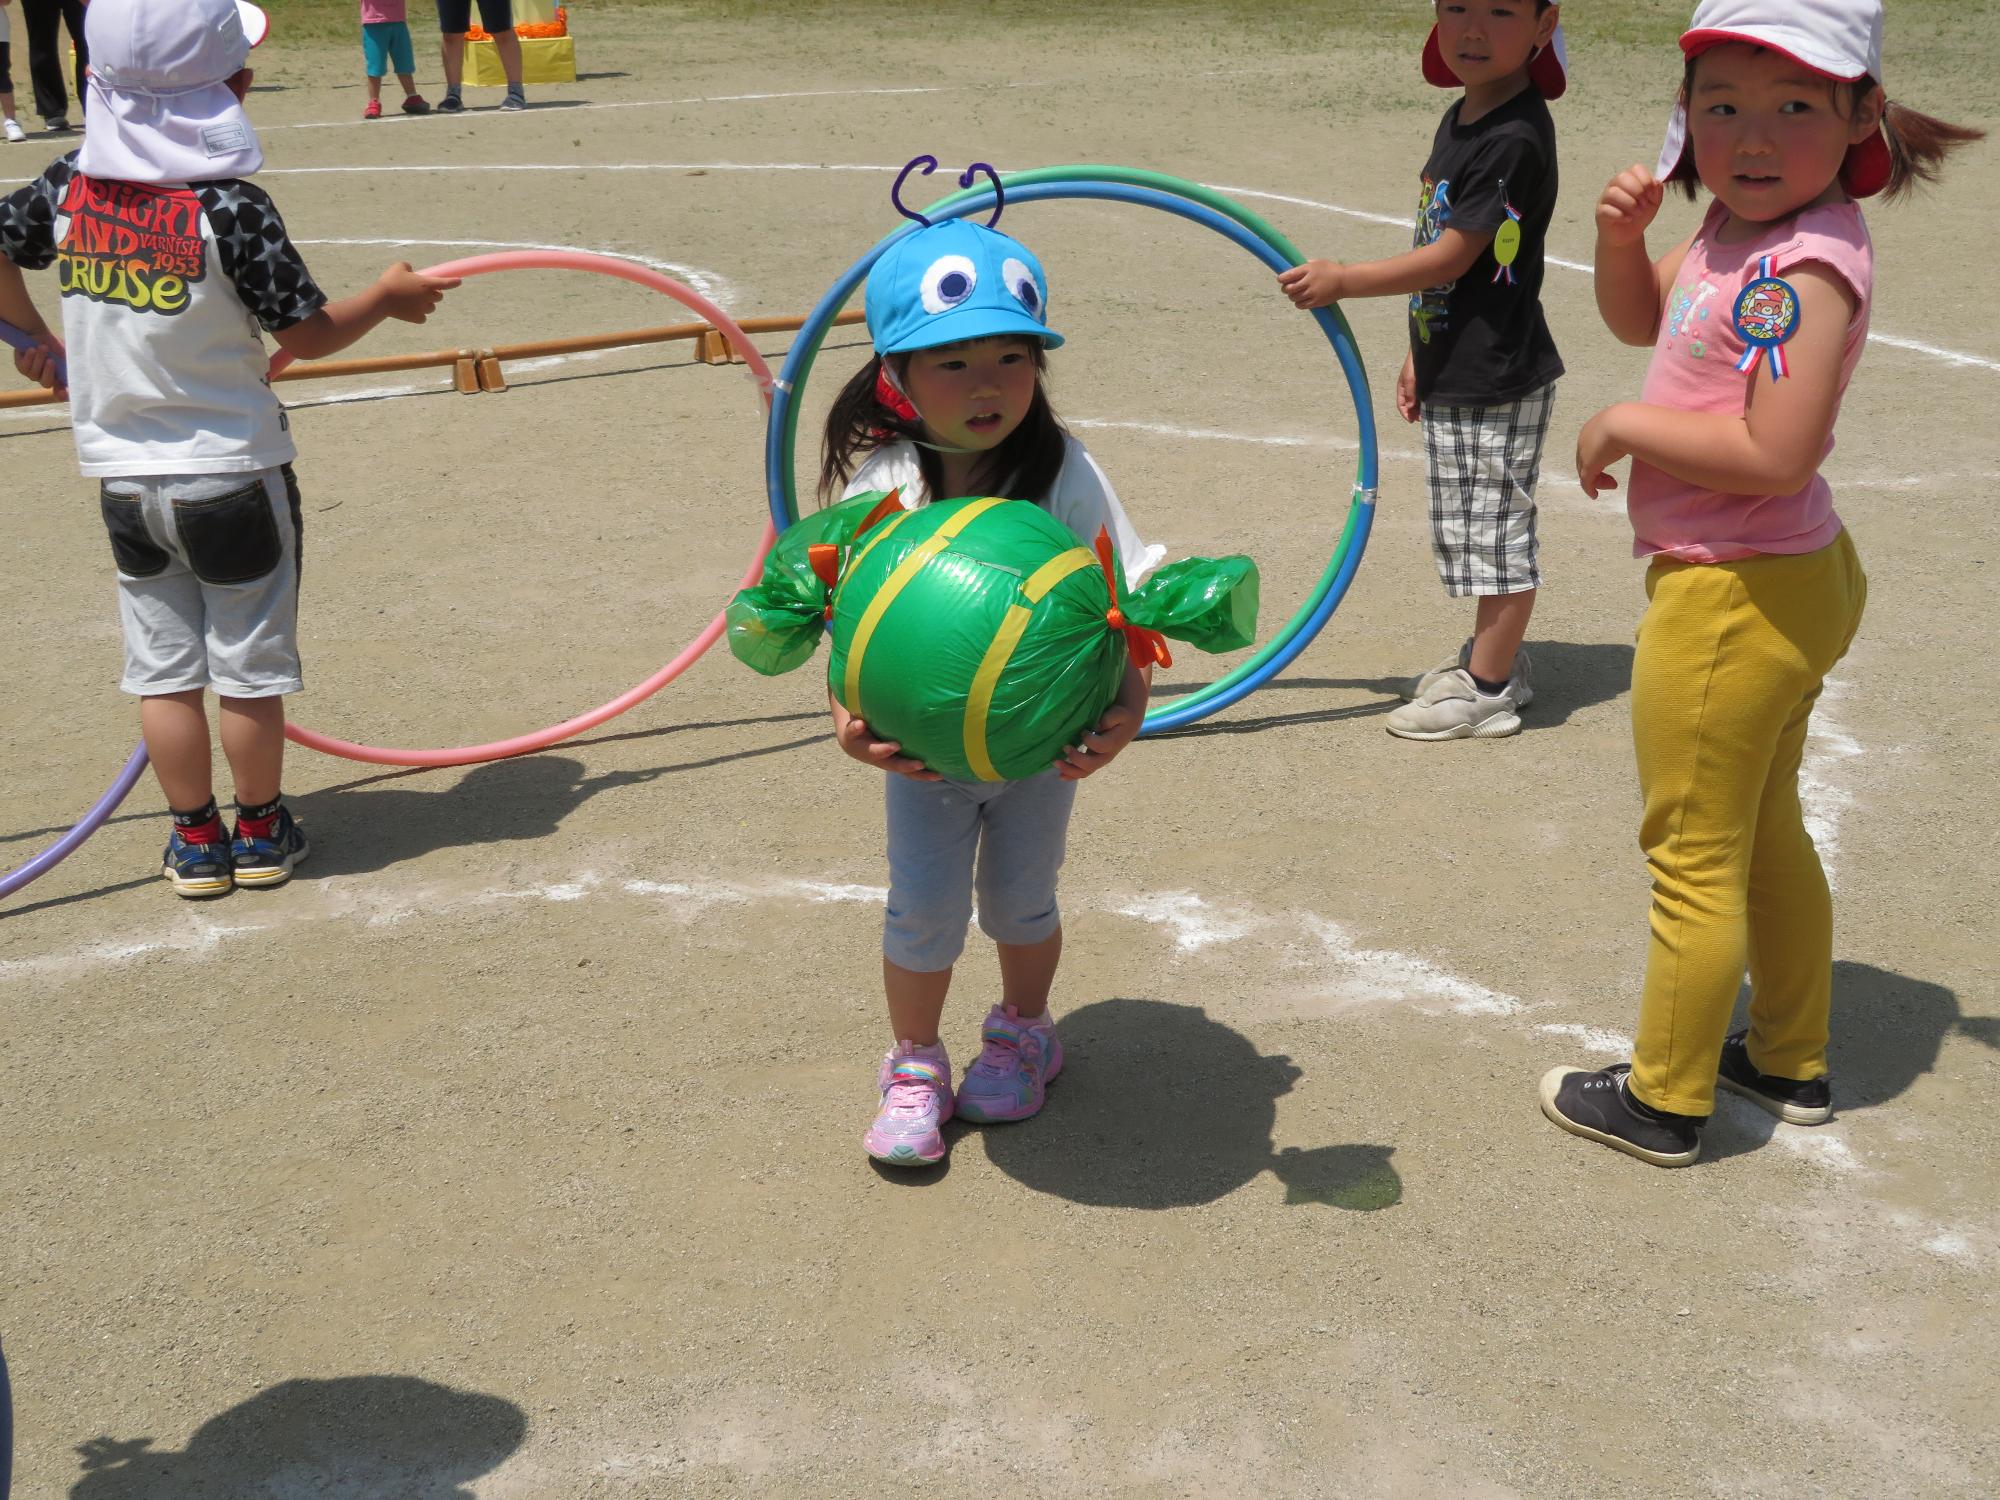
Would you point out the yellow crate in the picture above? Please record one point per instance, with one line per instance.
(544, 59)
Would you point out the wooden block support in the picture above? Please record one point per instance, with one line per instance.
(491, 378)
(714, 349)
(465, 375)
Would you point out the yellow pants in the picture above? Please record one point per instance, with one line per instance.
(1731, 660)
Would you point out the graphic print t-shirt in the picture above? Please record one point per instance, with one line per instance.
(1482, 340)
(164, 289)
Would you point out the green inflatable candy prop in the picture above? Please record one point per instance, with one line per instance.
(978, 633)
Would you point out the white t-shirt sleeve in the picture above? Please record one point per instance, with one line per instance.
(891, 467)
(1083, 500)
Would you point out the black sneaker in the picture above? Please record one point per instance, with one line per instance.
(450, 104)
(199, 871)
(268, 861)
(1599, 1107)
(1794, 1102)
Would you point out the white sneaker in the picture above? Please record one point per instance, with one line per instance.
(13, 129)
(1453, 708)
(1520, 684)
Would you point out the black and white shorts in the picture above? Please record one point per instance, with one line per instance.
(1484, 463)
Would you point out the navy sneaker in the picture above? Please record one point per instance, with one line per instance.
(268, 861)
(450, 104)
(1796, 1102)
(1599, 1107)
(199, 872)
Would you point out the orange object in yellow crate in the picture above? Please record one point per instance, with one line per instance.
(548, 52)
(526, 29)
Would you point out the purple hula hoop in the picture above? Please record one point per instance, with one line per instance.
(91, 821)
(128, 778)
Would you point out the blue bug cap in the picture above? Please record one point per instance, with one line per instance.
(953, 281)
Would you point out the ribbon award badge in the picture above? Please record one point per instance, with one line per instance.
(1767, 315)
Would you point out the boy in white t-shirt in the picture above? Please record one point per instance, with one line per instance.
(168, 264)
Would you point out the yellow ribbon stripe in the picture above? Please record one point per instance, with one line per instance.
(979, 702)
(883, 529)
(895, 583)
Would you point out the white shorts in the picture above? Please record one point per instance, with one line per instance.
(208, 581)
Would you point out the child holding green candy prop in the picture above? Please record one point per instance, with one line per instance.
(966, 630)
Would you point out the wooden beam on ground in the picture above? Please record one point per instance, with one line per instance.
(386, 364)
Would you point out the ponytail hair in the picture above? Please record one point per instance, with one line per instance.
(1024, 467)
(1918, 143)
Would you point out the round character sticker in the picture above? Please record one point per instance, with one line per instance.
(1766, 316)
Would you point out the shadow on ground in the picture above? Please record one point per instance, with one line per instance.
(368, 825)
(373, 822)
(1568, 677)
(1887, 1032)
(359, 1437)
(1159, 1106)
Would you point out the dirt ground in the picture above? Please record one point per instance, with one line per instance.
(513, 1149)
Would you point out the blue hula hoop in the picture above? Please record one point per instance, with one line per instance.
(779, 449)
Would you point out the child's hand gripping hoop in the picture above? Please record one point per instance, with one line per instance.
(1767, 315)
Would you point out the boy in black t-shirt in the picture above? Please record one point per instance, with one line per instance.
(1482, 368)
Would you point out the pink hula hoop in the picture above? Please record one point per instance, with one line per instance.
(541, 739)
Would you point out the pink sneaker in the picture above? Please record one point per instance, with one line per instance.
(1017, 1061)
(916, 1101)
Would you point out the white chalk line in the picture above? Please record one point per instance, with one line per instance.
(569, 110)
(711, 284)
(367, 904)
(1344, 972)
(1957, 357)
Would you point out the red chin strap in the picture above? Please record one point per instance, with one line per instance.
(889, 396)
(1147, 648)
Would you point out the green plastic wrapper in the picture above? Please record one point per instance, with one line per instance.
(980, 634)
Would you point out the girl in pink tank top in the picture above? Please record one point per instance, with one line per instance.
(1757, 321)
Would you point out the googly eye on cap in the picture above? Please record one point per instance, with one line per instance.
(952, 281)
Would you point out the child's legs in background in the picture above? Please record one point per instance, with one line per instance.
(403, 56)
(1791, 909)
(375, 46)
(1730, 658)
(1025, 836)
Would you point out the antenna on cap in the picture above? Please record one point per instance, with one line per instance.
(965, 180)
(929, 165)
